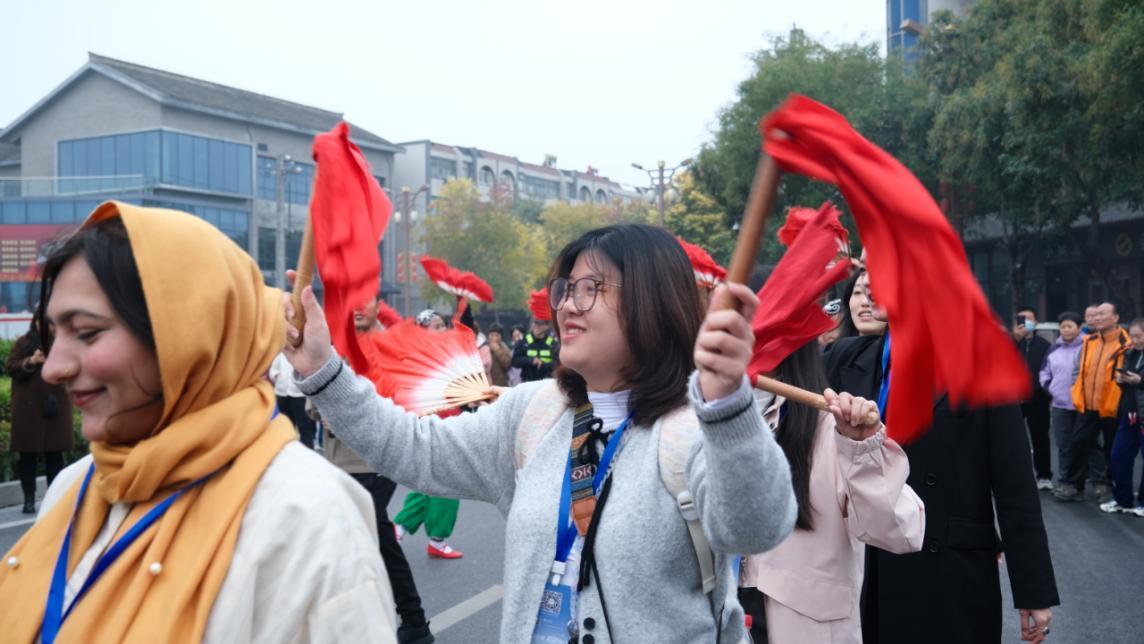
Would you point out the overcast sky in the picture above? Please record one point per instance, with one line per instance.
(594, 82)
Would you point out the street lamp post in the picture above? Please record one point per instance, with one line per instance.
(286, 165)
(664, 175)
(405, 216)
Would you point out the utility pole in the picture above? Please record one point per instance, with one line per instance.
(406, 216)
(660, 179)
(285, 166)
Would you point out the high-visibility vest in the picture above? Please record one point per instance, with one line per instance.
(545, 353)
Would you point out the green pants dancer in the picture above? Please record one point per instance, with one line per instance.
(439, 516)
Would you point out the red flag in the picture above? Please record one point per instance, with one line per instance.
(387, 315)
(945, 336)
(789, 313)
(708, 273)
(349, 212)
(797, 218)
(538, 304)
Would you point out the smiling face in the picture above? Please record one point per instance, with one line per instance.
(593, 343)
(861, 310)
(112, 376)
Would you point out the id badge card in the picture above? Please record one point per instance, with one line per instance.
(554, 623)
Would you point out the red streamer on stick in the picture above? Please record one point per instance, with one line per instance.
(945, 338)
(538, 305)
(708, 273)
(460, 283)
(789, 313)
(349, 213)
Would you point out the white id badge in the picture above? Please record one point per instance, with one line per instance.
(554, 624)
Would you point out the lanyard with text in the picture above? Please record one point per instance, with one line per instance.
(54, 613)
(565, 529)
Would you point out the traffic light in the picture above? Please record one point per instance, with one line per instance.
(401, 264)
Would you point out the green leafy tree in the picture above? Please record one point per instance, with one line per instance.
(696, 217)
(486, 239)
(880, 99)
(1038, 113)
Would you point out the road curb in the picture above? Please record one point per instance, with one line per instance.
(11, 494)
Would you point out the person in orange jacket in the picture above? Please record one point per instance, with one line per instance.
(1096, 397)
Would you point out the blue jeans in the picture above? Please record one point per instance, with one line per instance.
(1129, 441)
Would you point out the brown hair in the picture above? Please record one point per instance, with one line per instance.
(659, 312)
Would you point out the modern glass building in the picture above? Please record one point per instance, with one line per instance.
(116, 130)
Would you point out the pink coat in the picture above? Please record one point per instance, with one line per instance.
(859, 495)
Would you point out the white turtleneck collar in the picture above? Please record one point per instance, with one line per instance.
(612, 408)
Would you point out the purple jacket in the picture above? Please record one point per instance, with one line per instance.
(1057, 373)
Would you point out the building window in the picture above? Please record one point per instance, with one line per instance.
(205, 164)
(540, 188)
(585, 194)
(469, 170)
(380, 181)
(443, 169)
(601, 197)
(298, 182)
(509, 181)
(105, 161)
(235, 224)
(571, 191)
(267, 242)
(488, 177)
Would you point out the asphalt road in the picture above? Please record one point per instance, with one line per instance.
(1098, 558)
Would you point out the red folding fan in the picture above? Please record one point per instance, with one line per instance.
(460, 283)
(431, 371)
(708, 273)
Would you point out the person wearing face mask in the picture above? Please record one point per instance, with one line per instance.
(601, 548)
(194, 518)
(1036, 409)
(1056, 377)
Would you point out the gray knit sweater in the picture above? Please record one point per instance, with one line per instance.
(736, 472)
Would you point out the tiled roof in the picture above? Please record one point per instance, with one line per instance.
(228, 101)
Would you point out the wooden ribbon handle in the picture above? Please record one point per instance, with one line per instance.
(802, 396)
(754, 222)
(305, 272)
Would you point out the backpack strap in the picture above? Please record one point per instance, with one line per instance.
(542, 413)
(678, 433)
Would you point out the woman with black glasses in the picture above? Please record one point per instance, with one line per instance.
(628, 480)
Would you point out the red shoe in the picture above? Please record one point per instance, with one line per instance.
(446, 552)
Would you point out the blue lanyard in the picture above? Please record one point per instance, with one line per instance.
(884, 390)
(565, 529)
(54, 615)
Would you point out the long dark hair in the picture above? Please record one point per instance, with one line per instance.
(659, 312)
(847, 328)
(799, 424)
(107, 250)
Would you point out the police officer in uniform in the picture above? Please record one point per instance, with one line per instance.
(538, 353)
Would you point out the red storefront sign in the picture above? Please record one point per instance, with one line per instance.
(21, 246)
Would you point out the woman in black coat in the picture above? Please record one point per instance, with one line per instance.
(41, 416)
(968, 461)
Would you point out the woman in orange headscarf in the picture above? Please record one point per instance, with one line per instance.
(197, 517)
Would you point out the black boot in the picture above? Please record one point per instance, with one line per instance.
(414, 634)
(29, 504)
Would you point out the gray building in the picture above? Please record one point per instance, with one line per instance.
(424, 167)
(117, 130)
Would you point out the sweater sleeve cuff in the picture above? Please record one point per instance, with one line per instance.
(320, 378)
(730, 414)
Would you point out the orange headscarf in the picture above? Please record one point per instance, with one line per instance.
(217, 328)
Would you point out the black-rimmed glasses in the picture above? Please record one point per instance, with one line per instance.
(582, 291)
